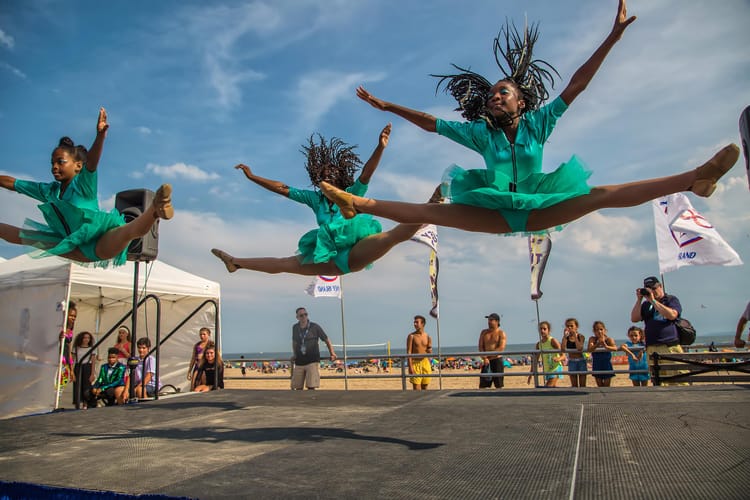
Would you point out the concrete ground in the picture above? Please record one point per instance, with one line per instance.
(656, 442)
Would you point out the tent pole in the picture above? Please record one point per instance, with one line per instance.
(64, 329)
(132, 360)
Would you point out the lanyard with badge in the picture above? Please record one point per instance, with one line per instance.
(303, 336)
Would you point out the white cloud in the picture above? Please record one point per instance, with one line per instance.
(7, 40)
(181, 171)
(316, 93)
(144, 130)
(13, 69)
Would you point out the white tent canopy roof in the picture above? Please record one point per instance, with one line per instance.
(162, 278)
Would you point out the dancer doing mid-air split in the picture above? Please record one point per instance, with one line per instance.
(339, 245)
(74, 226)
(507, 126)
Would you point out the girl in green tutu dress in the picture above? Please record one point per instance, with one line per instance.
(508, 125)
(339, 245)
(73, 226)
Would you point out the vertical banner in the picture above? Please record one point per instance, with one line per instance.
(434, 268)
(325, 286)
(540, 246)
(745, 135)
(685, 238)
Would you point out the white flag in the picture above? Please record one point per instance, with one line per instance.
(325, 286)
(685, 238)
(427, 235)
(540, 246)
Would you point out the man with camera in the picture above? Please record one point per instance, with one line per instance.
(658, 311)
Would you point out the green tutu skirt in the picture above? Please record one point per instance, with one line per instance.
(334, 240)
(68, 227)
(491, 189)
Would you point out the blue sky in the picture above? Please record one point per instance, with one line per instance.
(193, 88)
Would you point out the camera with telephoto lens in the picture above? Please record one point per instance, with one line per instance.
(644, 291)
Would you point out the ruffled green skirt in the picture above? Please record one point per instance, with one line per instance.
(68, 227)
(491, 189)
(334, 240)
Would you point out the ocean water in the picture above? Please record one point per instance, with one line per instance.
(719, 339)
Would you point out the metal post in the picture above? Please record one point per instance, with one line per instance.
(343, 330)
(133, 359)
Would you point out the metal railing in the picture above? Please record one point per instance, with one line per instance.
(691, 367)
(400, 363)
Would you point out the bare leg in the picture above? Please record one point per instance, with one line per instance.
(276, 265)
(701, 180)
(11, 234)
(362, 253)
(116, 240)
(373, 247)
(464, 217)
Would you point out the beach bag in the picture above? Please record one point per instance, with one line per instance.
(685, 330)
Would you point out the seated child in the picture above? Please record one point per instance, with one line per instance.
(110, 384)
(210, 374)
(145, 378)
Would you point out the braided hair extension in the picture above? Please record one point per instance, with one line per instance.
(471, 90)
(527, 73)
(334, 162)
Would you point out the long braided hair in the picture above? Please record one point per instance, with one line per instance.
(471, 90)
(333, 161)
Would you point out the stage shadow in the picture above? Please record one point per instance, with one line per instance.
(257, 435)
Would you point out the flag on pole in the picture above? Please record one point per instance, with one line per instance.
(745, 135)
(540, 246)
(434, 267)
(427, 235)
(685, 238)
(325, 286)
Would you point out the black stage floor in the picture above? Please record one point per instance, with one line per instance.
(656, 442)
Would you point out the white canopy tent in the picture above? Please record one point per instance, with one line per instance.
(33, 294)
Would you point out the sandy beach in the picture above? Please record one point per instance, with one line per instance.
(369, 381)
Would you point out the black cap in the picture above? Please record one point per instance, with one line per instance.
(651, 281)
(494, 316)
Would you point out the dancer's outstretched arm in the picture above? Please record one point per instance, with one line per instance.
(422, 120)
(95, 152)
(374, 160)
(586, 72)
(271, 185)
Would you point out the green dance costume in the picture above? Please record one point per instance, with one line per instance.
(336, 236)
(513, 182)
(73, 220)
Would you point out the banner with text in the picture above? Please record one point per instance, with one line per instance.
(685, 238)
(325, 286)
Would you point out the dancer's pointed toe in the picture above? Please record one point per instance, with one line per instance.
(227, 259)
(342, 199)
(163, 202)
(710, 172)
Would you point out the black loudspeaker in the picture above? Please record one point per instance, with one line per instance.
(131, 204)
